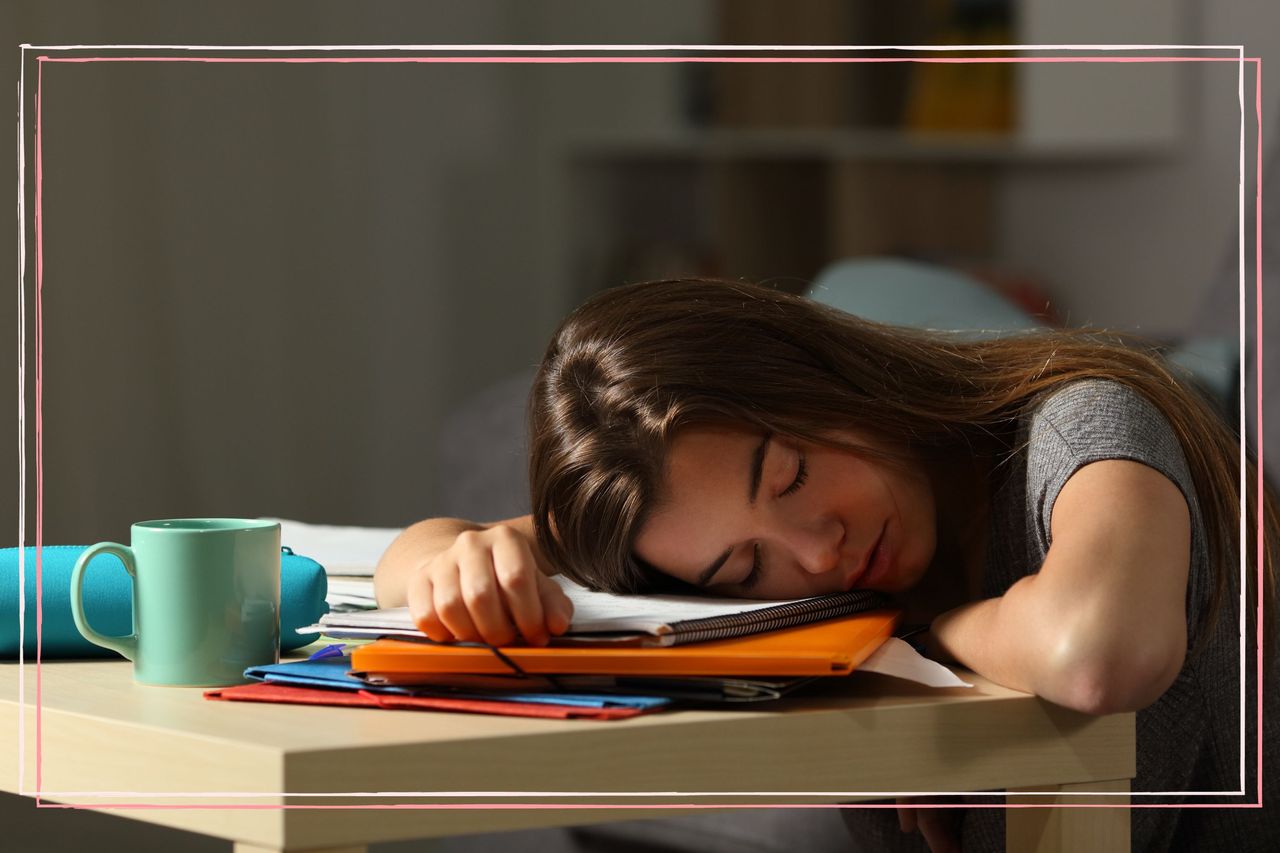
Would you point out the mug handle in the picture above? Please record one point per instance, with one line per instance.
(126, 645)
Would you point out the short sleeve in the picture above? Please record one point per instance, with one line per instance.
(1092, 420)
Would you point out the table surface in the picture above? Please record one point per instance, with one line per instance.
(108, 742)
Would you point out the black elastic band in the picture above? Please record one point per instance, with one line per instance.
(515, 667)
(497, 652)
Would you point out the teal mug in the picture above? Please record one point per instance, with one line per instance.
(206, 599)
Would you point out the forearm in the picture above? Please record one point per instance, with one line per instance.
(419, 544)
(416, 546)
(983, 636)
(1071, 650)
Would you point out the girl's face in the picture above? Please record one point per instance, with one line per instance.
(754, 516)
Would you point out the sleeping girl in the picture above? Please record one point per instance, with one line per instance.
(1060, 509)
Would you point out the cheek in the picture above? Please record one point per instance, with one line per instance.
(874, 494)
(919, 524)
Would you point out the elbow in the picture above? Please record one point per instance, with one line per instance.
(380, 586)
(1121, 682)
(385, 591)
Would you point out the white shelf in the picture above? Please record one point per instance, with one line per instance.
(838, 144)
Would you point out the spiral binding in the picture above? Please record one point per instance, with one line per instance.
(771, 618)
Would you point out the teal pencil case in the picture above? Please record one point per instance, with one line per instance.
(108, 601)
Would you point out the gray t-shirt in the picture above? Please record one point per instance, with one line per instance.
(1189, 740)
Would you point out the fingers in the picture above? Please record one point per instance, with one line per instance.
(556, 606)
(517, 576)
(422, 608)
(484, 600)
(906, 814)
(487, 587)
(938, 828)
(450, 607)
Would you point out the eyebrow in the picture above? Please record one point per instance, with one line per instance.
(757, 468)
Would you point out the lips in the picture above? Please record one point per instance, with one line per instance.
(867, 562)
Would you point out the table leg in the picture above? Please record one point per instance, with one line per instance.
(241, 847)
(1049, 830)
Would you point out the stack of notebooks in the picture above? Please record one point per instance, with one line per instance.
(350, 594)
(622, 656)
(348, 554)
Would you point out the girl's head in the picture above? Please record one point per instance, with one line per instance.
(656, 404)
(677, 423)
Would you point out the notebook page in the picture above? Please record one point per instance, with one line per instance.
(592, 611)
(603, 611)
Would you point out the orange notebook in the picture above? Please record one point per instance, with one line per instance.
(833, 647)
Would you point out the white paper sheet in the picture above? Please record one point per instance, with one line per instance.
(898, 659)
(351, 551)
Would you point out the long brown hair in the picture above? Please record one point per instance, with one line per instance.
(636, 364)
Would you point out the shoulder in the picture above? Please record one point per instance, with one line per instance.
(1090, 421)
(1091, 412)
(1094, 419)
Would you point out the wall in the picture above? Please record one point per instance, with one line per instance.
(353, 313)
(383, 241)
(1139, 245)
(265, 286)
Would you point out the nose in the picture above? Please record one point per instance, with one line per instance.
(817, 545)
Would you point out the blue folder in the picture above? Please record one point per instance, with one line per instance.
(334, 673)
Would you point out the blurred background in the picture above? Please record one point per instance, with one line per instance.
(286, 289)
(317, 291)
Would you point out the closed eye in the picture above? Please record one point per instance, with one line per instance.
(753, 577)
(802, 474)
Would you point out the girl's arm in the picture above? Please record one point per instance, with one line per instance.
(419, 543)
(467, 581)
(1102, 627)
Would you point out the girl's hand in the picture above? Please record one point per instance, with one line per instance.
(938, 826)
(487, 587)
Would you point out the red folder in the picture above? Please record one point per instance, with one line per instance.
(266, 692)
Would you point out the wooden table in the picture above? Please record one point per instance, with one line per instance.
(106, 740)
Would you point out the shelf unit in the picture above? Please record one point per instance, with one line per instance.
(771, 171)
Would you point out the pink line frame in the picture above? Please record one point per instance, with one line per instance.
(42, 59)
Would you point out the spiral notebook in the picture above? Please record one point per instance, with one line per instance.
(651, 620)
